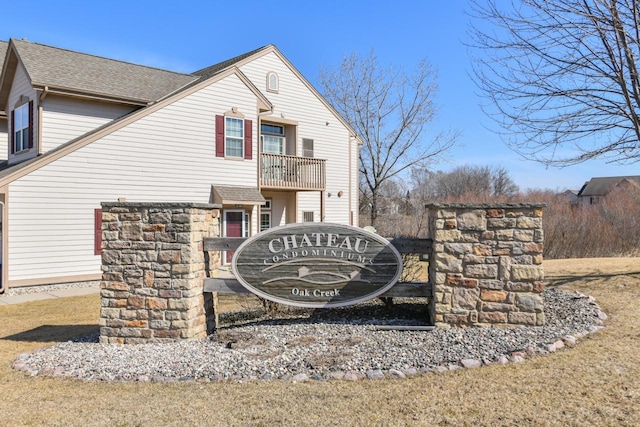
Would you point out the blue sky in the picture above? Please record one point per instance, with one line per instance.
(187, 36)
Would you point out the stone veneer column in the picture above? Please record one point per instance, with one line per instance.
(486, 264)
(153, 270)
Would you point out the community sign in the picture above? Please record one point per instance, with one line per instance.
(317, 264)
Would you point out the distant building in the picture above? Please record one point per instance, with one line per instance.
(570, 195)
(596, 190)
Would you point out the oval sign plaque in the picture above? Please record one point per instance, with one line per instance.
(317, 264)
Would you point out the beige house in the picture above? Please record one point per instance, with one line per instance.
(596, 189)
(249, 133)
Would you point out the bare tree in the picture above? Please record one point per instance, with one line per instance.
(561, 76)
(502, 184)
(464, 182)
(390, 110)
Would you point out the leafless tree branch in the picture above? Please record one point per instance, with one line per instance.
(560, 76)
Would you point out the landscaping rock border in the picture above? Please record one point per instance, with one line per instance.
(344, 343)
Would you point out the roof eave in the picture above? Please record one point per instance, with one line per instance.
(60, 90)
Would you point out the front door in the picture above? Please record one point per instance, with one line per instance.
(233, 227)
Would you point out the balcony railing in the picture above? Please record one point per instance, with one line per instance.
(292, 172)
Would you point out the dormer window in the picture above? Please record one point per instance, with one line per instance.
(273, 82)
(22, 128)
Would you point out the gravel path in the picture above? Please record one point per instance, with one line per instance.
(321, 344)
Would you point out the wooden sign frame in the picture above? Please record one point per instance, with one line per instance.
(317, 265)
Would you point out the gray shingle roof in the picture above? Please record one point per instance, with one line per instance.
(214, 69)
(227, 194)
(3, 51)
(89, 74)
(601, 186)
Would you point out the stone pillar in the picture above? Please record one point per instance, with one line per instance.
(486, 264)
(153, 270)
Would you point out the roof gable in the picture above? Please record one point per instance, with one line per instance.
(240, 60)
(81, 74)
(16, 171)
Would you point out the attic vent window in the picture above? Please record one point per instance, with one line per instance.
(273, 82)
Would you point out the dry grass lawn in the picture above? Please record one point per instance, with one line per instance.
(595, 383)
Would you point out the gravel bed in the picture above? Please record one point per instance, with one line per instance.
(340, 343)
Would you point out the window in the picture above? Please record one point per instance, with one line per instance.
(307, 216)
(272, 138)
(21, 122)
(265, 215)
(265, 220)
(234, 137)
(307, 147)
(273, 82)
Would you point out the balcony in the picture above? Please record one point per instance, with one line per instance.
(292, 173)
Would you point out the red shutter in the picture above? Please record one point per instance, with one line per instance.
(31, 125)
(97, 232)
(12, 137)
(248, 143)
(219, 136)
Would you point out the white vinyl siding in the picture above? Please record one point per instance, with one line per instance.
(295, 101)
(138, 162)
(355, 176)
(64, 119)
(22, 87)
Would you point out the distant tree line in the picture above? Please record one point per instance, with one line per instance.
(572, 230)
(400, 203)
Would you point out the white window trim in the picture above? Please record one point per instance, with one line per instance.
(273, 88)
(16, 129)
(268, 213)
(281, 136)
(226, 136)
